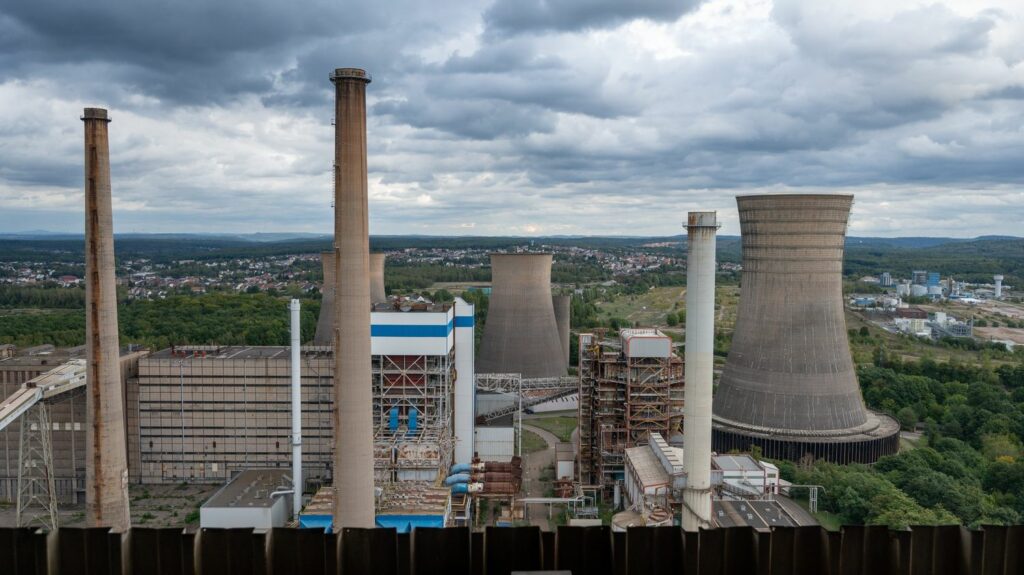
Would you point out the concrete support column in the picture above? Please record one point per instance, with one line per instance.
(353, 394)
(700, 346)
(106, 466)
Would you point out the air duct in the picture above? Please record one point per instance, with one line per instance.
(789, 384)
(521, 335)
(106, 467)
(353, 394)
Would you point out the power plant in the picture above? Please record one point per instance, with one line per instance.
(353, 395)
(521, 334)
(106, 466)
(789, 385)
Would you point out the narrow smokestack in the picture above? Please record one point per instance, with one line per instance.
(106, 467)
(297, 483)
(353, 397)
(563, 311)
(700, 346)
(325, 322)
(377, 293)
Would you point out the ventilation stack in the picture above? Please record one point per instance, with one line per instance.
(353, 394)
(700, 358)
(325, 323)
(789, 385)
(563, 312)
(106, 460)
(521, 335)
(377, 293)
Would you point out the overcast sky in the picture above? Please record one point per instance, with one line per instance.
(507, 117)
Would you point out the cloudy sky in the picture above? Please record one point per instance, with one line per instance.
(530, 117)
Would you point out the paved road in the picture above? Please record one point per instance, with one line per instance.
(533, 465)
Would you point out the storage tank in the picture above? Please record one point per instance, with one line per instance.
(918, 290)
(789, 385)
(521, 334)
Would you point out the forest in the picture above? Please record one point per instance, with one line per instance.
(968, 466)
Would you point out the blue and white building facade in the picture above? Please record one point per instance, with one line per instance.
(423, 390)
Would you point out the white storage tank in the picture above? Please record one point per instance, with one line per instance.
(918, 290)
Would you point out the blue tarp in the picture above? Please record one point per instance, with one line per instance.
(406, 523)
(403, 523)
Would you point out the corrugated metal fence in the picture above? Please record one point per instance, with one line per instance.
(580, 550)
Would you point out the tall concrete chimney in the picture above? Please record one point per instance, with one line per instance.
(106, 466)
(521, 335)
(325, 322)
(563, 313)
(700, 347)
(377, 293)
(789, 385)
(353, 394)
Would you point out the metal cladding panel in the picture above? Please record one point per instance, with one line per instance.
(324, 323)
(789, 367)
(521, 335)
(647, 345)
(465, 375)
(412, 333)
(495, 443)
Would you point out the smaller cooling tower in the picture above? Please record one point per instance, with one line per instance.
(563, 311)
(521, 334)
(323, 323)
(377, 293)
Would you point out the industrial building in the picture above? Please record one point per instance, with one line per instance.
(628, 388)
(204, 413)
(789, 385)
(522, 333)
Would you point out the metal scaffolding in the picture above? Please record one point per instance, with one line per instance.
(621, 401)
(36, 486)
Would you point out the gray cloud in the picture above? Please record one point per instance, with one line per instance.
(558, 117)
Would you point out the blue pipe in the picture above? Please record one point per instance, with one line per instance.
(457, 478)
(460, 488)
(462, 468)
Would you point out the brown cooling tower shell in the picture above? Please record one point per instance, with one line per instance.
(789, 383)
(325, 323)
(521, 335)
(377, 293)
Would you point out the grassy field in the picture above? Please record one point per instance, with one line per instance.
(532, 442)
(561, 426)
(649, 309)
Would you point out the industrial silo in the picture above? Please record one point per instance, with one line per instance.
(789, 384)
(521, 334)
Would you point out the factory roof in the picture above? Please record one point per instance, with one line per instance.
(736, 463)
(761, 515)
(224, 352)
(649, 470)
(251, 488)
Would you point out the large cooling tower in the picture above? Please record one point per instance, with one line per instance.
(325, 322)
(106, 460)
(377, 293)
(789, 384)
(521, 335)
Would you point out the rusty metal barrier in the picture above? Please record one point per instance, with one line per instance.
(855, 550)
